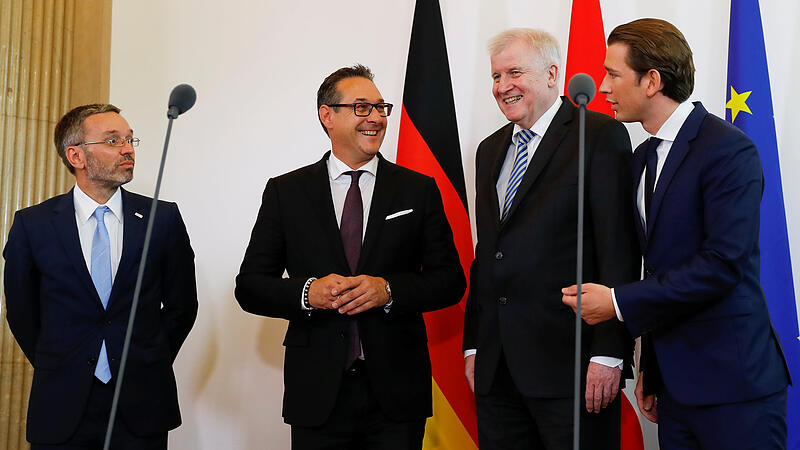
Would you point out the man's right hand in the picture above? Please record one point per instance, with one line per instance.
(324, 291)
(469, 371)
(648, 404)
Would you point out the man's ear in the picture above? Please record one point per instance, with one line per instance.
(654, 83)
(326, 116)
(552, 75)
(76, 156)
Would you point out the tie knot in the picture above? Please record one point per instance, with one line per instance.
(524, 136)
(652, 144)
(100, 212)
(354, 176)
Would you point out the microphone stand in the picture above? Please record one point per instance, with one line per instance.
(172, 114)
(576, 427)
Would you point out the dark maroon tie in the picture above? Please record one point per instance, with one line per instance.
(352, 229)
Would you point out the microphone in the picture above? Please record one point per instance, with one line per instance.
(581, 89)
(181, 99)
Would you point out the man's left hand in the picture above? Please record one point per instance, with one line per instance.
(602, 385)
(596, 302)
(361, 293)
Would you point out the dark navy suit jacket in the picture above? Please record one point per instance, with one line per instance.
(701, 309)
(56, 316)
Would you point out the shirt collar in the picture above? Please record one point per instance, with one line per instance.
(669, 131)
(336, 167)
(85, 205)
(540, 126)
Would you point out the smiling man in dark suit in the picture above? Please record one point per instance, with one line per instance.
(518, 337)
(713, 374)
(71, 266)
(367, 249)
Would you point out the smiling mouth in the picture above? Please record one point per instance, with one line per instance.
(369, 132)
(512, 100)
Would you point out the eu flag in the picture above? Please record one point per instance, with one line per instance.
(749, 107)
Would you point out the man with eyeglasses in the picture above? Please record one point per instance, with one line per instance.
(367, 249)
(71, 266)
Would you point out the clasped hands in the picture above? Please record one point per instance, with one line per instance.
(348, 295)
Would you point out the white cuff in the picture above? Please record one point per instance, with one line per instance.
(607, 361)
(470, 352)
(616, 308)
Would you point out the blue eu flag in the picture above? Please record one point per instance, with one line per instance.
(749, 107)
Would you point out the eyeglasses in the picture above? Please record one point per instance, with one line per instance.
(363, 109)
(115, 142)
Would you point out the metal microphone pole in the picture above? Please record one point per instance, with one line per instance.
(178, 104)
(581, 90)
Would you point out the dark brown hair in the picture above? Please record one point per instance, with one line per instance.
(657, 44)
(69, 130)
(328, 94)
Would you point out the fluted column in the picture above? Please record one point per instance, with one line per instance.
(54, 55)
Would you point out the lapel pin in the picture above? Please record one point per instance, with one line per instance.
(138, 215)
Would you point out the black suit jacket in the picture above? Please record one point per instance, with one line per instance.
(56, 316)
(521, 264)
(296, 231)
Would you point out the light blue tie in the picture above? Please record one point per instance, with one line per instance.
(518, 171)
(101, 277)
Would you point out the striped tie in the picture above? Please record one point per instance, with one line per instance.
(518, 171)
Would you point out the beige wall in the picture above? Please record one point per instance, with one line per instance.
(54, 55)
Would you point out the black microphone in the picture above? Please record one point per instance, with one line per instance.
(181, 99)
(581, 89)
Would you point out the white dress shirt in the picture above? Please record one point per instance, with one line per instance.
(667, 133)
(340, 184)
(539, 128)
(84, 216)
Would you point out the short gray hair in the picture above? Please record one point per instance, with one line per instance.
(542, 41)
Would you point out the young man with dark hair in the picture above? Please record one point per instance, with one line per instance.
(712, 372)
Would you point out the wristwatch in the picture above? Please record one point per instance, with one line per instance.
(388, 291)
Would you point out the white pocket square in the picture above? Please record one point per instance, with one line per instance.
(399, 213)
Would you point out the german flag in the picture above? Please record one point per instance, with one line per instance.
(428, 143)
(586, 53)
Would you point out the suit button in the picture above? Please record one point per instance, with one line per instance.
(92, 362)
(502, 300)
(498, 256)
(341, 334)
(108, 322)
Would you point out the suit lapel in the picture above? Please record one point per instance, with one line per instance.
(678, 151)
(133, 231)
(497, 159)
(638, 168)
(544, 152)
(319, 195)
(382, 196)
(66, 228)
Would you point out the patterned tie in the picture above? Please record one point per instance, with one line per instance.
(352, 227)
(518, 171)
(651, 158)
(101, 277)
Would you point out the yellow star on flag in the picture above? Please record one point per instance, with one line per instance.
(738, 103)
